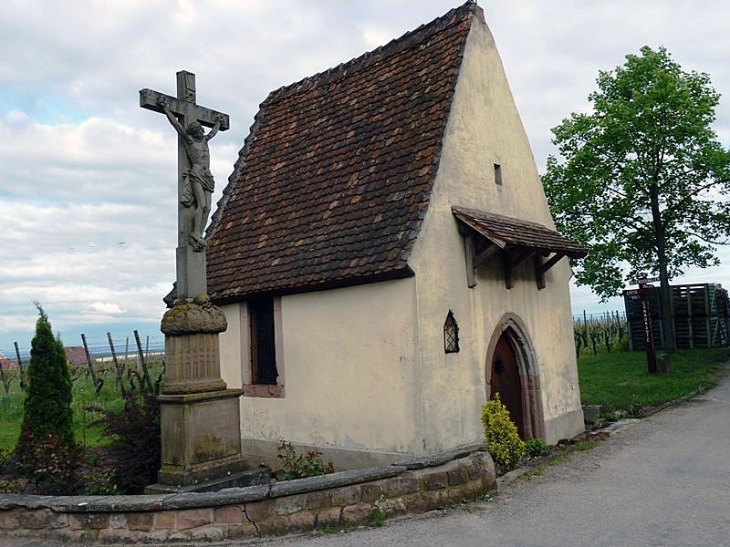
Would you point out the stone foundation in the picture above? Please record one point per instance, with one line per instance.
(347, 498)
(192, 450)
(567, 426)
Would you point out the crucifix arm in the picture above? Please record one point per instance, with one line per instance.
(173, 120)
(214, 130)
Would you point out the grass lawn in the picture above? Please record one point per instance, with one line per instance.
(620, 381)
(11, 414)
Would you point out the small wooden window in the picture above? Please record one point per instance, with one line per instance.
(451, 334)
(498, 174)
(263, 343)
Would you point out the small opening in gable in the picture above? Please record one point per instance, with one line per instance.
(498, 174)
(451, 334)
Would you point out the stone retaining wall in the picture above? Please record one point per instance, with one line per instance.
(340, 499)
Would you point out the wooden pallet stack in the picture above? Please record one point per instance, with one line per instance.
(700, 316)
(694, 306)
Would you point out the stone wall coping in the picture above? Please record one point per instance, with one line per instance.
(194, 500)
(334, 480)
(440, 458)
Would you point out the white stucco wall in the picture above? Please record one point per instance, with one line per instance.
(350, 371)
(484, 129)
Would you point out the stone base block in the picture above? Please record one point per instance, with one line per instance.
(567, 426)
(201, 437)
(249, 477)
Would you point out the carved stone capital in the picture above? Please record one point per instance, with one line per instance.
(198, 316)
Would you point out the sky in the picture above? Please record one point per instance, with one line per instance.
(88, 179)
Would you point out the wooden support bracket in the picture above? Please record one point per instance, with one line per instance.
(539, 273)
(542, 268)
(486, 253)
(507, 262)
(519, 259)
(471, 268)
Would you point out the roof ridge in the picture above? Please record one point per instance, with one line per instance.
(466, 9)
(476, 212)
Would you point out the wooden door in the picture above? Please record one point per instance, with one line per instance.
(506, 381)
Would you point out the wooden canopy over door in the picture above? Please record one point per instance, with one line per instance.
(516, 241)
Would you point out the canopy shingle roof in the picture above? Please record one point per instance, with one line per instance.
(334, 179)
(507, 232)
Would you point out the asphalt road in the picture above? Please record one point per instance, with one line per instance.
(663, 481)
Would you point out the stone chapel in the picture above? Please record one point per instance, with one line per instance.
(386, 260)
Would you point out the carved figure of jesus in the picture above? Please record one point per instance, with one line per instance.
(198, 183)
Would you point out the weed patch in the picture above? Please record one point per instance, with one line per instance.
(376, 518)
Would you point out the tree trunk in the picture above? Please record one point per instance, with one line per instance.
(665, 292)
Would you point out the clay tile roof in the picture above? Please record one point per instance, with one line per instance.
(76, 355)
(334, 179)
(511, 232)
(8, 364)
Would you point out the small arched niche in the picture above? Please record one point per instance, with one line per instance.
(451, 334)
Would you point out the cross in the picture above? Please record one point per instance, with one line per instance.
(190, 263)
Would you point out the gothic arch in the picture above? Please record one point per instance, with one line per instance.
(515, 331)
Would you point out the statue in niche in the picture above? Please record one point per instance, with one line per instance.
(198, 183)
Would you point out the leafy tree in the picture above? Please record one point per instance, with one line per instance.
(643, 180)
(46, 450)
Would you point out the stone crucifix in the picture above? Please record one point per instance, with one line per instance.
(195, 181)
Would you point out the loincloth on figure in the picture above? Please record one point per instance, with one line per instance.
(200, 175)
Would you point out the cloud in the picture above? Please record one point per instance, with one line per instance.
(107, 307)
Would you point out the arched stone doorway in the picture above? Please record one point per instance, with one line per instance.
(511, 371)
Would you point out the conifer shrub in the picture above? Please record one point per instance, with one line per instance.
(500, 434)
(46, 453)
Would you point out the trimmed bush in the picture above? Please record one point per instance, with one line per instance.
(48, 399)
(46, 453)
(500, 434)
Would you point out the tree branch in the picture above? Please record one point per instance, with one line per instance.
(706, 240)
(690, 197)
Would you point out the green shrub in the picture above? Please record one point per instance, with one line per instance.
(536, 448)
(296, 466)
(100, 483)
(500, 434)
(622, 344)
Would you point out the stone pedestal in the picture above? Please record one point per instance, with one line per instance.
(192, 364)
(201, 437)
(200, 417)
